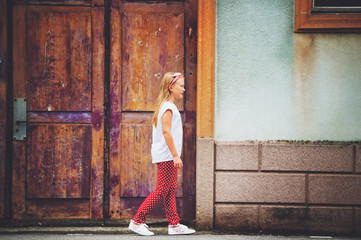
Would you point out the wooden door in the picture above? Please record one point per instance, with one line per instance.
(4, 66)
(59, 71)
(148, 39)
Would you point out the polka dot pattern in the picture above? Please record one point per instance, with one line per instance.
(166, 190)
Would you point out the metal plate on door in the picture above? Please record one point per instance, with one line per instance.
(19, 120)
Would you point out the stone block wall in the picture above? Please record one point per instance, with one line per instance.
(288, 187)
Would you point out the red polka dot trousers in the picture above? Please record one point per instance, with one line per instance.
(166, 190)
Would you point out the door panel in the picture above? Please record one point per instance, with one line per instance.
(148, 40)
(58, 161)
(59, 68)
(57, 209)
(136, 157)
(151, 44)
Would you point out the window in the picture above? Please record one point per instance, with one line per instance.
(336, 6)
(328, 16)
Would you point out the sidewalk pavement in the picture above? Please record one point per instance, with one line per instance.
(115, 233)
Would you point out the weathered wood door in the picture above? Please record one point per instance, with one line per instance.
(4, 68)
(58, 62)
(148, 39)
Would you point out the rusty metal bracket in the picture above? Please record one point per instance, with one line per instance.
(19, 122)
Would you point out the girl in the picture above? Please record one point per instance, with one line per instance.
(166, 150)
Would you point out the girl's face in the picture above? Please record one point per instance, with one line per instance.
(177, 89)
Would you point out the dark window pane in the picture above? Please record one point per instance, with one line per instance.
(336, 6)
(337, 3)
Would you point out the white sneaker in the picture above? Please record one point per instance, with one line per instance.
(179, 229)
(140, 228)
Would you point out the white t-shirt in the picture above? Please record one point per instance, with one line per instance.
(160, 150)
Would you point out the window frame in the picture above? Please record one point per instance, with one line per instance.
(306, 21)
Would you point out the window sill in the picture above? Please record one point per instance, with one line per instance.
(306, 21)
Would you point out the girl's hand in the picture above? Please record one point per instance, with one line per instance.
(178, 162)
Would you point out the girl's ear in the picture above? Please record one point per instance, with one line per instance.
(170, 88)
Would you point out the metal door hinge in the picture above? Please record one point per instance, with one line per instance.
(19, 122)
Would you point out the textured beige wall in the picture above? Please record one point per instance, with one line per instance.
(260, 187)
(285, 219)
(205, 183)
(307, 187)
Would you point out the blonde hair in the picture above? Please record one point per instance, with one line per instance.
(164, 94)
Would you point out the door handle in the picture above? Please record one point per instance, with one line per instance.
(19, 119)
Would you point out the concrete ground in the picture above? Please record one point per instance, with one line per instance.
(65, 236)
(115, 233)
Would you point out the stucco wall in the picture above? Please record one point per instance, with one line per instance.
(273, 84)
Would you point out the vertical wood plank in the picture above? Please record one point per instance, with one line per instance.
(191, 55)
(115, 111)
(4, 62)
(189, 120)
(189, 169)
(3, 193)
(97, 162)
(128, 173)
(205, 70)
(19, 52)
(19, 91)
(18, 180)
(143, 143)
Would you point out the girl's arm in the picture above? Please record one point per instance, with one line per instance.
(166, 128)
